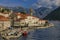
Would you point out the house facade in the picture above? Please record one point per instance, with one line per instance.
(4, 22)
(21, 20)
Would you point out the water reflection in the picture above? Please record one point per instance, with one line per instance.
(23, 38)
(52, 33)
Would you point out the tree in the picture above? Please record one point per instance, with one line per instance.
(23, 12)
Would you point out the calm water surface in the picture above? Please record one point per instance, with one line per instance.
(52, 33)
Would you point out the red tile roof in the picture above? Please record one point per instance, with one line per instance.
(22, 16)
(2, 18)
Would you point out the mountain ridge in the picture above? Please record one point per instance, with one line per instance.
(54, 15)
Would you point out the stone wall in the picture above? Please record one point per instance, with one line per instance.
(5, 24)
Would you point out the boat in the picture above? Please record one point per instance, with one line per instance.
(7, 34)
(22, 25)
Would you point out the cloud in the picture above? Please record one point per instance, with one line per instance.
(35, 5)
(57, 2)
(46, 3)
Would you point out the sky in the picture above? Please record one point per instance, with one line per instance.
(30, 3)
(13, 3)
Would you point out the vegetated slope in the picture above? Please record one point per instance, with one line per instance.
(54, 15)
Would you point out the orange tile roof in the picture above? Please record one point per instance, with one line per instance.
(23, 16)
(2, 18)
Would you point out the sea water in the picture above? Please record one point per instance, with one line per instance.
(51, 33)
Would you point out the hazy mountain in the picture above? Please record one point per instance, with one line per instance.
(17, 9)
(54, 15)
(42, 12)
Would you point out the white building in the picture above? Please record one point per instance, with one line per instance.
(23, 21)
(4, 23)
(32, 21)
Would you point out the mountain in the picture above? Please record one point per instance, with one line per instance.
(42, 12)
(54, 15)
(17, 9)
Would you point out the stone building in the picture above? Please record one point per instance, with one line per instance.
(4, 23)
